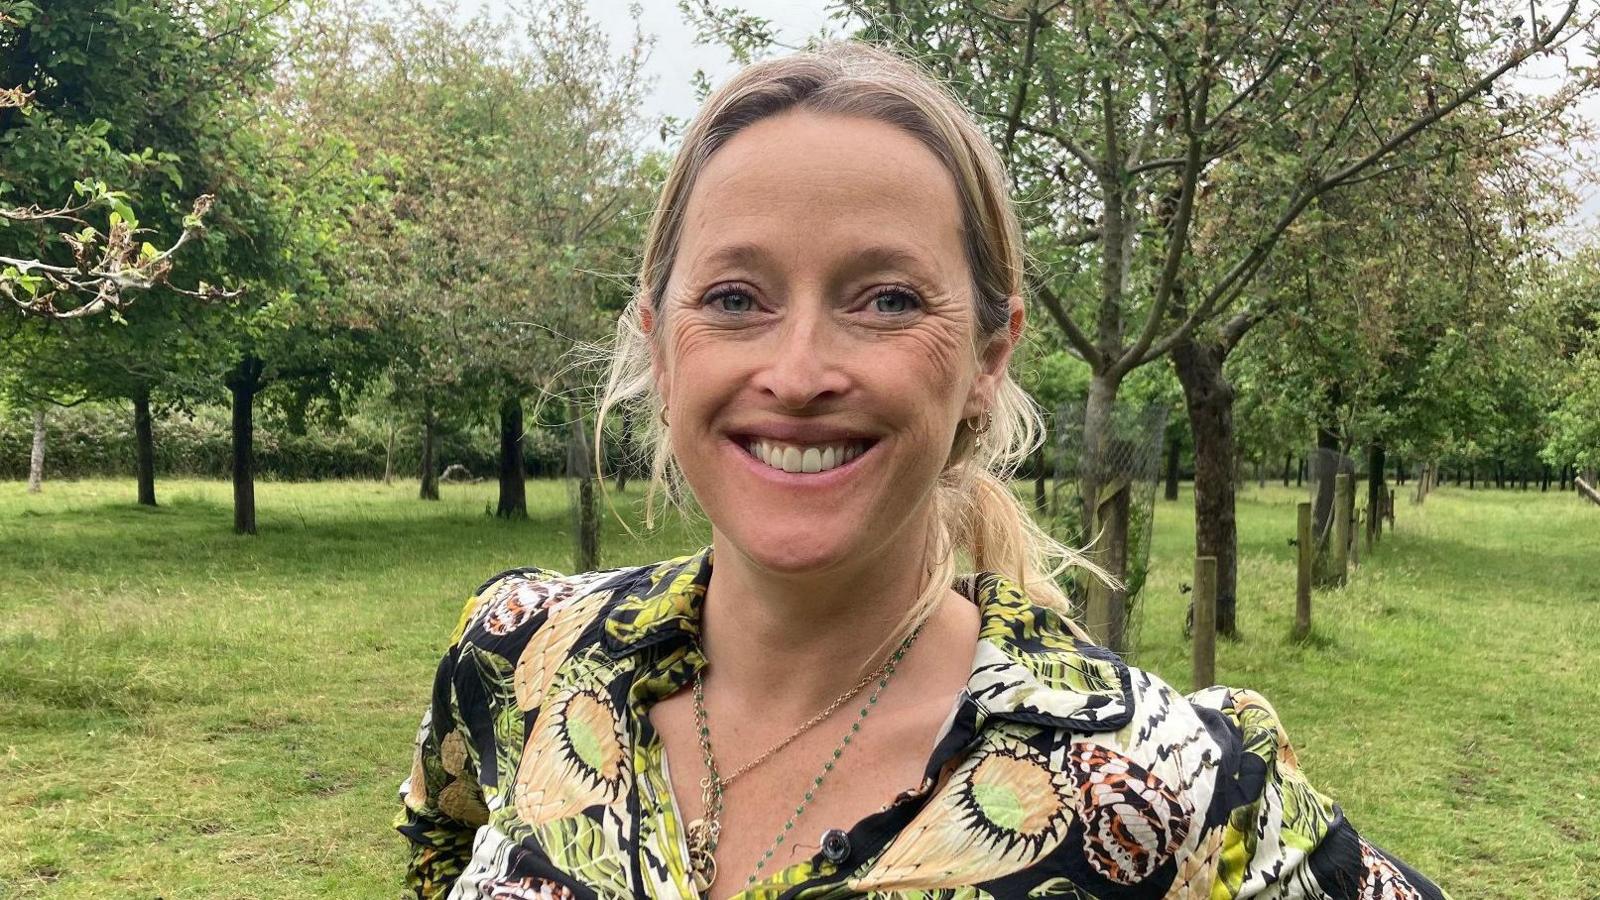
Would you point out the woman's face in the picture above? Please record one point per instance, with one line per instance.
(816, 346)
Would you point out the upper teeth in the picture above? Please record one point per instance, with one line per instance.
(805, 458)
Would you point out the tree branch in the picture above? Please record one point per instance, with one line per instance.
(1014, 119)
(1080, 341)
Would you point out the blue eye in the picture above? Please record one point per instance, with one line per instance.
(732, 301)
(895, 302)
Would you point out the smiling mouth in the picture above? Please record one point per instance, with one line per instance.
(804, 458)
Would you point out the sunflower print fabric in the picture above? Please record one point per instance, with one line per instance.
(1063, 772)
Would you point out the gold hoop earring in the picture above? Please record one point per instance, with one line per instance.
(662, 415)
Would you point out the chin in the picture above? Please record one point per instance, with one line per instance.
(793, 551)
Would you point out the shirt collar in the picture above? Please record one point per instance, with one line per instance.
(1028, 667)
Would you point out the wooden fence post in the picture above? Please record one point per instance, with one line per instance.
(1586, 489)
(1204, 672)
(1302, 585)
(1341, 528)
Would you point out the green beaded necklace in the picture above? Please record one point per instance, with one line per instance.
(704, 833)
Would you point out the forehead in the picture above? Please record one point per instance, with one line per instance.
(827, 182)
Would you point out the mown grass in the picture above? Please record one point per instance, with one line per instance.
(187, 713)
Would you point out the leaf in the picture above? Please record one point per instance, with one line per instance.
(121, 208)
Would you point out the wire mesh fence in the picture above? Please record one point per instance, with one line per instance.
(1103, 500)
(582, 500)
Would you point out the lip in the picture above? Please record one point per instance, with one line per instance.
(814, 480)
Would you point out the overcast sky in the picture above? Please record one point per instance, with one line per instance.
(676, 56)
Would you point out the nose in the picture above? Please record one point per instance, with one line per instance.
(804, 365)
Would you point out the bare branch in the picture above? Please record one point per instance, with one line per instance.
(1483, 84)
(1080, 341)
(106, 267)
(1061, 138)
(1019, 102)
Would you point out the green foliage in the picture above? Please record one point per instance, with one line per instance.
(1574, 419)
(176, 100)
(507, 197)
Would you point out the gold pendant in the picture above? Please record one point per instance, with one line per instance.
(702, 865)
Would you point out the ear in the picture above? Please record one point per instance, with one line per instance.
(647, 316)
(993, 358)
(658, 370)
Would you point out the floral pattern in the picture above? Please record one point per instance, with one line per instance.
(1064, 772)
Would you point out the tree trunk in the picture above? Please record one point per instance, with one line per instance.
(513, 502)
(625, 445)
(1208, 398)
(390, 435)
(1174, 447)
(36, 455)
(588, 536)
(1327, 466)
(1300, 474)
(430, 449)
(1105, 515)
(144, 446)
(1040, 497)
(1288, 462)
(1375, 489)
(244, 382)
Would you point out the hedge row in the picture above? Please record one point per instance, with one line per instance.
(89, 441)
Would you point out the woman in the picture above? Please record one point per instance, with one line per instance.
(829, 299)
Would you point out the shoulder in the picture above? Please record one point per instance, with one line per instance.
(505, 610)
(1219, 747)
(1250, 817)
(1193, 790)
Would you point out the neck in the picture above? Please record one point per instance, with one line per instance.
(801, 640)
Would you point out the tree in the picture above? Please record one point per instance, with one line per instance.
(1398, 317)
(1574, 419)
(511, 191)
(154, 111)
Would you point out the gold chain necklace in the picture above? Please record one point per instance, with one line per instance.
(810, 723)
(704, 833)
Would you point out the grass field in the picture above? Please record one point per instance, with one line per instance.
(185, 713)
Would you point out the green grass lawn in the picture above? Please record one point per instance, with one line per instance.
(187, 713)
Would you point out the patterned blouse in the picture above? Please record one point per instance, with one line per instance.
(1063, 773)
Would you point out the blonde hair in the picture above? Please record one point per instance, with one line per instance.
(974, 511)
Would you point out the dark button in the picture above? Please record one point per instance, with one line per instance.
(835, 846)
